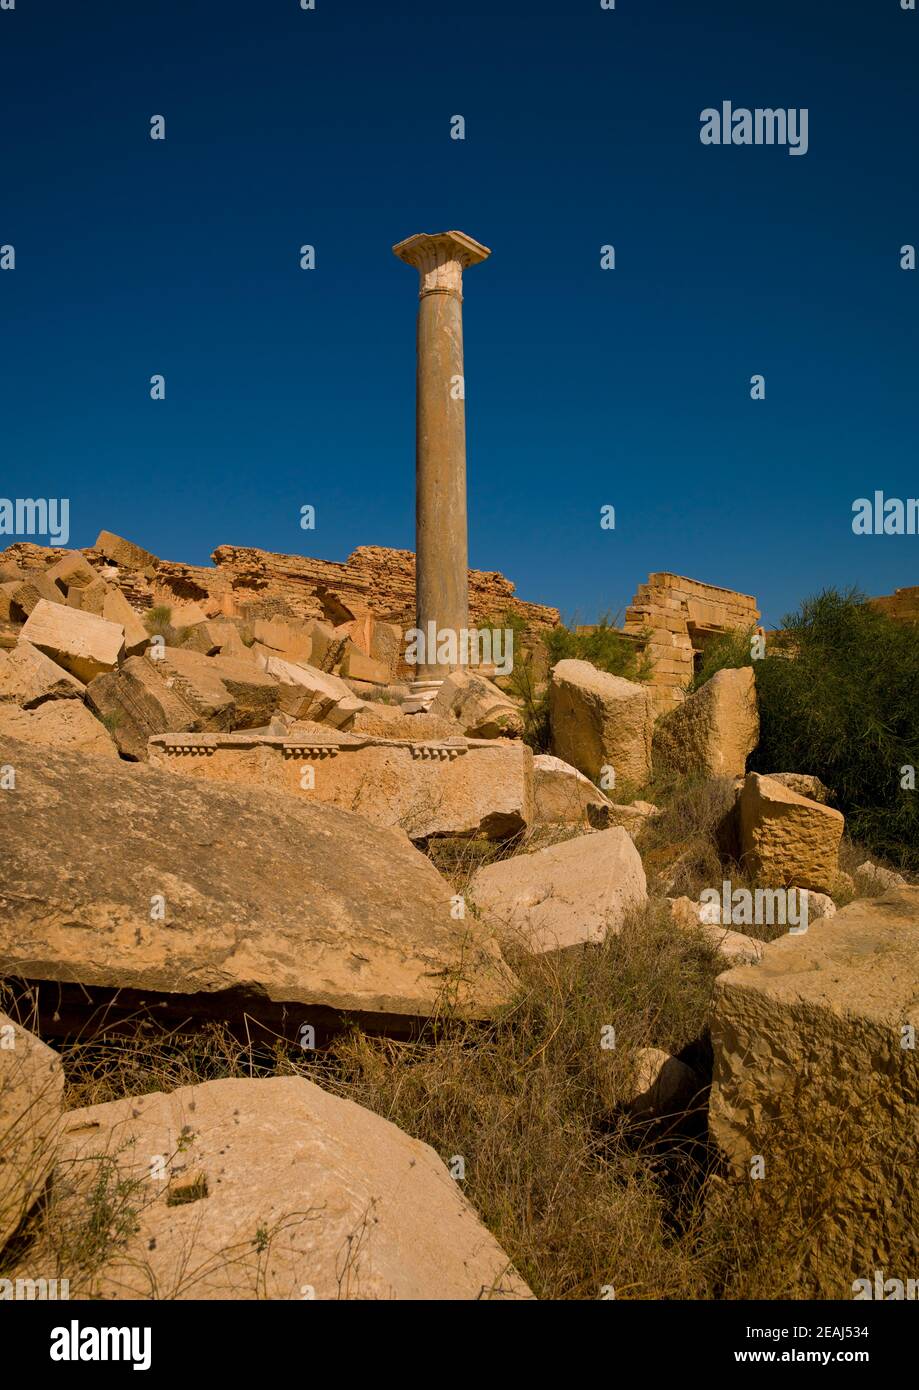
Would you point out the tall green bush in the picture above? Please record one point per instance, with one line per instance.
(839, 697)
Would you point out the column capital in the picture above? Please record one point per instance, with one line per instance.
(440, 258)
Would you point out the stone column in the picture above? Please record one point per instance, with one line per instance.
(441, 535)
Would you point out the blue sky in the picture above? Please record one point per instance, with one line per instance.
(584, 387)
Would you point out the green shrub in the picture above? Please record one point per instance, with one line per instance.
(725, 653)
(604, 647)
(839, 697)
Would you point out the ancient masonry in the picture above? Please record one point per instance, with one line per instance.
(441, 525)
(253, 583)
(681, 616)
(902, 605)
(456, 786)
(248, 583)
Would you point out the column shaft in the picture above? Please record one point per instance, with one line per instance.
(442, 588)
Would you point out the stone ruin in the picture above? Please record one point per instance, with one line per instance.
(682, 616)
(271, 829)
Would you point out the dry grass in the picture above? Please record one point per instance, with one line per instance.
(583, 1196)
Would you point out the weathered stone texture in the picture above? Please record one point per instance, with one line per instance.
(351, 1207)
(57, 724)
(31, 1102)
(139, 701)
(570, 894)
(565, 796)
(787, 840)
(680, 616)
(29, 678)
(601, 721)
(811, 1071)
(269, 897)
(83, 643)
(463, 788)
(714, 730)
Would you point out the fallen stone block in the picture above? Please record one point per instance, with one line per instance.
(9, 610)
(386, 644)
(125, 554)
(570, 894)
(815, 1072)
(714, 730)
(255, 692)
(28, 678)
(391, 721)
(211, 637)
(84, 644)
(821, 904)
(663, 1085)
(804, 784)
(786, 840)
(27, 594)
(138, 700)
(478, 706)
(116, 609)
(228, 897)
(72, 571)
(58, 724)
(351, 1207)
(89, 598)
(206, 682)
(565, 796)
(324, 644)
(358, 666)
(286, 639)
(463, 788)
(871, 879)
(199, 686)
(31, 1105)
(185, 615)
(307, 693)
(601, 721)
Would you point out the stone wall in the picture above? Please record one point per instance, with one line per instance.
(902, 604)
(681, 617)
(249, 583)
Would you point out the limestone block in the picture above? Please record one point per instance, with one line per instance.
(354, 1208)
(139, 700)
(59, 724)
(125, 554)
(270, 900)
(31, 1105)
(570, 894)
(83, 643)
(565, 796)
(714, 730)
(28, 678)
(480, 708)
(817, 1031)
(599, 720)
(787, 840)
(460, 788)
